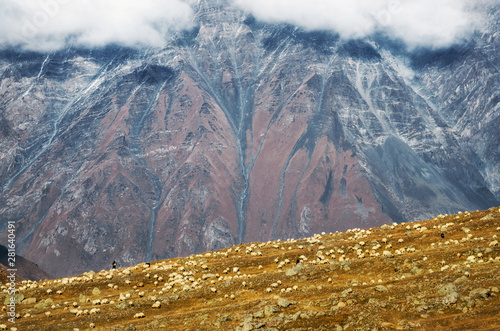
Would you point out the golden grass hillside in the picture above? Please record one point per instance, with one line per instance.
(440, 274)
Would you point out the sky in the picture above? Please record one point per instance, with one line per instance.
(49, 25)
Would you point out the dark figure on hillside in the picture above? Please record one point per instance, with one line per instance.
(442, 235)
(114, 264)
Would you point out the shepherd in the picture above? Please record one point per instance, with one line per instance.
(114, 264)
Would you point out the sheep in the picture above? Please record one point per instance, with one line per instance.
(94, 311)
(471, 258)
(139, 315)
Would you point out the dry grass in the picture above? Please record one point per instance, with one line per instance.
(359, 293)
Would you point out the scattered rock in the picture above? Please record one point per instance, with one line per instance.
(489, 217)
(259, 314)
(122, 305)
(41, 305)
(345, 266)
(345, 293)
(381, 288)
(269, 310)
(283, 302)
(207, 276)
(447, 289)
(96, 291)
(247, 326)
(479, 293)
(451, 298)
(28, 301)
(18, 298)
(294, 270)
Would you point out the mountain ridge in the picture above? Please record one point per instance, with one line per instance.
(239, 131)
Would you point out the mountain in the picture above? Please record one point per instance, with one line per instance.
(240, 131)
(25, 270)
(393, 277)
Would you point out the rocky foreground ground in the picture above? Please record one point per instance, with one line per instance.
(440, 274)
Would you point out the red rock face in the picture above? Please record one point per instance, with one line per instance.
(238, 134)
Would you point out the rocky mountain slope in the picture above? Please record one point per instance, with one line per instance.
(440, 274)
(239, 131)
(26, 270)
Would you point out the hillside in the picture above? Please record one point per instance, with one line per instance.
(25, 269)
(440, 274)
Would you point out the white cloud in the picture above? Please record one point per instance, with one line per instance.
(48, 25)
(419, 23)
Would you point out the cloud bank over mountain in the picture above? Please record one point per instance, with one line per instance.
(48, 25)
(418, 23)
